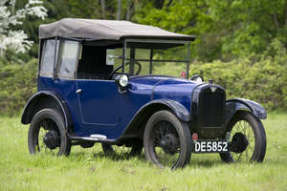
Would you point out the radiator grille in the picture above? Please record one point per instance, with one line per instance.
(210, 107)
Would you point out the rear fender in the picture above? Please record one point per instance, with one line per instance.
(45, 99)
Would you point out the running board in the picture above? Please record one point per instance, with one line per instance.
(93, 138)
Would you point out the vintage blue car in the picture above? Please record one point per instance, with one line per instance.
(103, 81)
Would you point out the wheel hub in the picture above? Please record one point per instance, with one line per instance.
(52, 139)
(169, 143)
(239, 143)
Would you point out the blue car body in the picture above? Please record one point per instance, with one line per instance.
(102, 109)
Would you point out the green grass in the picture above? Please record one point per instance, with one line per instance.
(89, 169)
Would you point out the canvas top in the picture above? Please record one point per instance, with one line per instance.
(92, 29)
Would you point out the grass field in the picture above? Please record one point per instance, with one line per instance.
(89, 169)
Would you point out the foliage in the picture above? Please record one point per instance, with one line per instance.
(183, 16)
(17, 84)
(261, 79)
(11, 38)
(89, 169)
(225, 29)
(249, 26)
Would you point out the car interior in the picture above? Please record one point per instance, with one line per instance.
(92, 64)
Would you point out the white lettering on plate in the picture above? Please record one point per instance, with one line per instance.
(225, 147)
(197, 146)
(203, 145)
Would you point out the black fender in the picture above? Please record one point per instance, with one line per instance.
(45, 99)
(240, 104)
(177, 108)
(137, 124)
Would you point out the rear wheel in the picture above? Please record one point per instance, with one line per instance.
(167, 140)
(248, 139)
(47, 134)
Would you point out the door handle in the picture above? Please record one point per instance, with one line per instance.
(78, 91)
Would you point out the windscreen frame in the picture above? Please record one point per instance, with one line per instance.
(140, 43)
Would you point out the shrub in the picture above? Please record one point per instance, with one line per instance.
(260, 78)
(17, 84)
(263, 80)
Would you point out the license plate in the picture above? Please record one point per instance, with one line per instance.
(207, 146)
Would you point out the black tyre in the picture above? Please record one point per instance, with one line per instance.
(248, 139)
(47, 133)
(133, 149)
(167, 140)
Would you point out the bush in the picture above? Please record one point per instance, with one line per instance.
(259, 78)
(262, 79)
(17, 84)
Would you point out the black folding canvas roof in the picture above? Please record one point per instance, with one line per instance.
(92, 29)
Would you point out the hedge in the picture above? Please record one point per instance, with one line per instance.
(263, 80)
(17, 84)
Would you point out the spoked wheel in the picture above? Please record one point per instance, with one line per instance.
(133, 149)
(167, 141)
(248, 139)
(47, 134)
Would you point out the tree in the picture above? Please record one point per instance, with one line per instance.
(119, 10)
(225, 29)
(248, 26)
(103, 4)
(182, 16)
(130, 9)
(10, 18)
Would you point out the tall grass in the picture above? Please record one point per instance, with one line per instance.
(90, 169)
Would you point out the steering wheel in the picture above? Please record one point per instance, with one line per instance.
(121, 66)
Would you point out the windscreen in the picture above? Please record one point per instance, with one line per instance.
(169, 59)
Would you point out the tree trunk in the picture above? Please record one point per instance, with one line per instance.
(103, 5)
(169, 3)
(275, 20)
(119, 10)
(130, 8)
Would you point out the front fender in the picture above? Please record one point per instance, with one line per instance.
(178, 109)
(137, 124)
(240, 104)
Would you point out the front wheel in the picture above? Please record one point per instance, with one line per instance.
(248, 139)
(167, 140)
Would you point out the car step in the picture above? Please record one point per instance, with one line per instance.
(93, 137)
